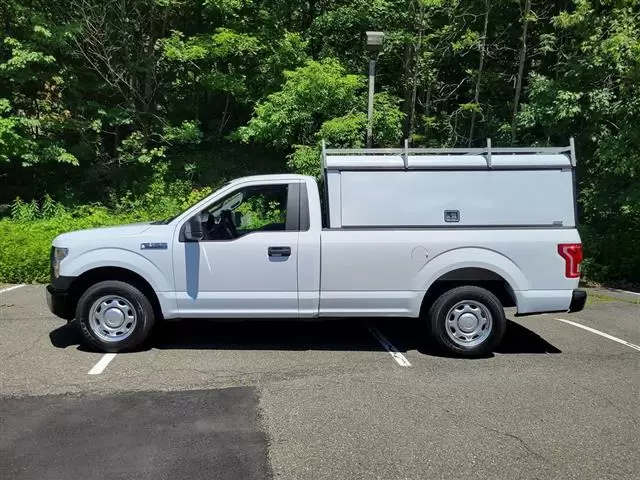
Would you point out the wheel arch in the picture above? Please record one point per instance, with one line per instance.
(482, 267)
(100, 274)
(473, 276)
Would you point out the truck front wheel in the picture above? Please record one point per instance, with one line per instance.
(467, 321)
(114, 316)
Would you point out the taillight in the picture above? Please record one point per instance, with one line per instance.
(572, 254)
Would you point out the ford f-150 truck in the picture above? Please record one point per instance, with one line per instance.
(446, 236)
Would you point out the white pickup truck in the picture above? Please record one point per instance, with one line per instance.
(449, 237)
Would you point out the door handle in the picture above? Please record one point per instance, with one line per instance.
(279, 251)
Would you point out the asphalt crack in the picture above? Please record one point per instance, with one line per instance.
(524, 444)
(515, 437)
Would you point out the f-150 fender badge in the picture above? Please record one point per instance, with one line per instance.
(153, 246)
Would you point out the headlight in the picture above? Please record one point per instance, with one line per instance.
(57, 257)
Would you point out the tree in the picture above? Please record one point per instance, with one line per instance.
(320, 101)
(594, 94)
(521, 62)
(482, 49)
(34, 117)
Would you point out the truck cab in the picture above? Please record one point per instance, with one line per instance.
(401, 237)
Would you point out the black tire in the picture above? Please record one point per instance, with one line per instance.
(437, 320)
(144, 316)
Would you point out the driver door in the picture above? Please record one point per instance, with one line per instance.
(247, 264)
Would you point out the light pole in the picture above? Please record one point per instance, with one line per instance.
(374, 45)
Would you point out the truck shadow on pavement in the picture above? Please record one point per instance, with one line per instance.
(331, 335)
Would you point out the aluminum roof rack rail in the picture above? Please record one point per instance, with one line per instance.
(487, 157)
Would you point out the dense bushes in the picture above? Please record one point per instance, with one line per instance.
(612, 257)
(24, 248)
(26, 237)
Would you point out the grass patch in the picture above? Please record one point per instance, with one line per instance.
(598, 297)
(595, 298)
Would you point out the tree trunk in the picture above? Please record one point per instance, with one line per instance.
(427, 108)
(523, 59)
(408, 57)
(409, 68)
(483, 45)
(116, 141)
(225, 116)
(149, 65)
(416, 70)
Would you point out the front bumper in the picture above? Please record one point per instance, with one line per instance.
(58, 298)
(578, 300)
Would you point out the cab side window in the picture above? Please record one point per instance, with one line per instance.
(250, 209)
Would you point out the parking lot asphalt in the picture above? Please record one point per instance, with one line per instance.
(317, 400)
(135, 435)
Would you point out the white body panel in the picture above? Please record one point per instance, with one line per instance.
(309, 256)
(211, 281)
(121, 247)
(387, 272)
(496, 198)
(367, 263)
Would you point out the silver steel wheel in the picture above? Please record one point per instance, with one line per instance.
(112, 318)
(468, 323)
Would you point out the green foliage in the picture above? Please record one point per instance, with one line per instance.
(187, 132)
(258, 212)
(305, 160)
(346, 131)
(33, 116)
(22, 211)
(595, 95)
(310, 95)
(321, 102)
(160, 199)
(194, 196)
(134, 149)
(387, 120)
(612, 254)
(23, 57)
(24, 245)
(25, 239)
(223, 43)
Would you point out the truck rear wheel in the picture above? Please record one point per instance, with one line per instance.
(467, 321)
(114, 316)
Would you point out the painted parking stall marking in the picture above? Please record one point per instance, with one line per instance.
(624, 291)
(99, 367)
(393, 351)
(8, 289)
(602, 334)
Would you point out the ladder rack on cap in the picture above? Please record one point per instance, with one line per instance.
(452, 158)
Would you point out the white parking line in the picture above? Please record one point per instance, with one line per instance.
(102, 364)
(393, 351)
(8, 289)
(602, 334)
(624, 291)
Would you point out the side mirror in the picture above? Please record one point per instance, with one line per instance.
(193, 231)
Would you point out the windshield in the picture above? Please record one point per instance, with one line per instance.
(170, 219)
(165, 221)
